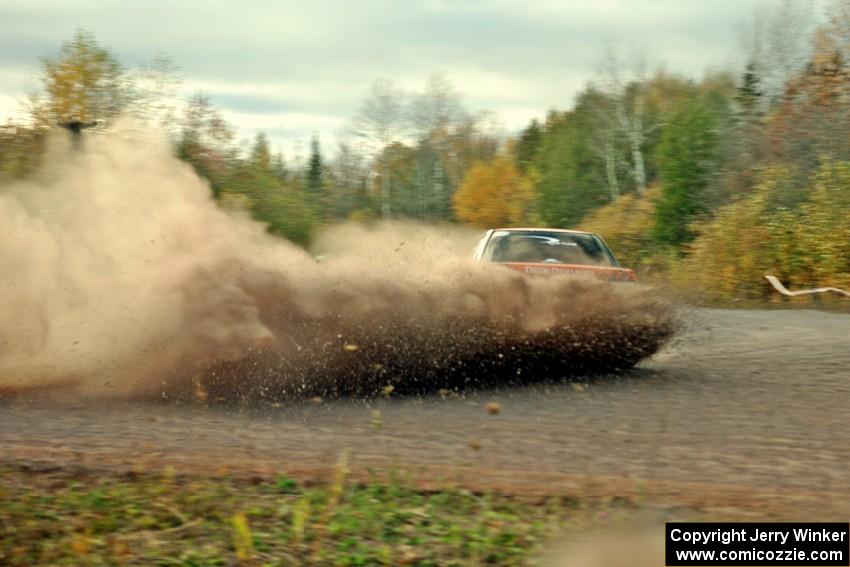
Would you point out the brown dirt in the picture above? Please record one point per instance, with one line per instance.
(747, 410)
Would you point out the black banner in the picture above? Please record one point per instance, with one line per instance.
(757, 544)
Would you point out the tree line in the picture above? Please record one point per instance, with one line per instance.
(709, 183)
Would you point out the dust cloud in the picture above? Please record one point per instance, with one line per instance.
(120, 276)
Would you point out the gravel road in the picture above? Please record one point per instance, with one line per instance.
(744, 406)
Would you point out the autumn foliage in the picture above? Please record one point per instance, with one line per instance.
(84, 82)
(804, 247)
(626, 224)
(494, 194)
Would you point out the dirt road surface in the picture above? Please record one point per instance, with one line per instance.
(746, 409)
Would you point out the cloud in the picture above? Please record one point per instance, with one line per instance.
(269, 62)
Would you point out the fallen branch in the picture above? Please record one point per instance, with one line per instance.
(785, 291)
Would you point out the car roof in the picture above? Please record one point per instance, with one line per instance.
(539, 229)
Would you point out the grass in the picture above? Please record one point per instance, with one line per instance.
(61, 517)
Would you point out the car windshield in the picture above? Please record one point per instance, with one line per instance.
(548, 247)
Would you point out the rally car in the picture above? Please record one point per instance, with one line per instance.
(551, 251)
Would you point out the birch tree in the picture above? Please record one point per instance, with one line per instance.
(381, 122)
(437, 120)
(605, 138)
(625, 115)
(777, 43)
(838, 25)
(350, 173)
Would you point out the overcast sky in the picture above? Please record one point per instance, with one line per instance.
(295, 68)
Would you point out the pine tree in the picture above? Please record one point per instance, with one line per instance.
(528, 145)
(686, 158)
(749, 94)
(261, 156)
(315, 179)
